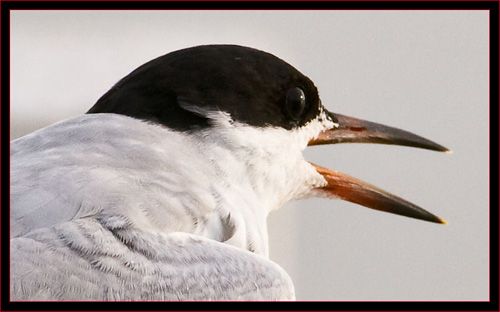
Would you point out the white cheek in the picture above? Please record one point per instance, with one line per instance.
(270, 157)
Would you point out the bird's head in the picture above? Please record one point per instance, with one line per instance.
(263, 110)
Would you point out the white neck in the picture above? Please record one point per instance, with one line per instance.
(259, 170)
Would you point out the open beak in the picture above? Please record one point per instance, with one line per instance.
(352, 130)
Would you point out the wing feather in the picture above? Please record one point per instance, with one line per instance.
(95, 259)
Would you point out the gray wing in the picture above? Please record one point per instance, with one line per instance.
(105, 258)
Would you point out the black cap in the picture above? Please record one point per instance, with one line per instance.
(254, 87)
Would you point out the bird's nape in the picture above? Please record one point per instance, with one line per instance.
(339, 185)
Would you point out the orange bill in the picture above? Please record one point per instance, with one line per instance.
(356, 191)
(352, 130)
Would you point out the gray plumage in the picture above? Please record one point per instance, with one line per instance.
(104, 258)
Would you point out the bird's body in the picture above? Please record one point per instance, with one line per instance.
(155, 189)
(135, 201)
(138, 174)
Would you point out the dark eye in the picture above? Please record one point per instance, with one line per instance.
(295, 102)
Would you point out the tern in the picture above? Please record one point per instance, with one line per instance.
(161, 191)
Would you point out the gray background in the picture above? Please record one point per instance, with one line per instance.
(424, 71)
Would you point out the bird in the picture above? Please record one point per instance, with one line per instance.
(161, 191)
